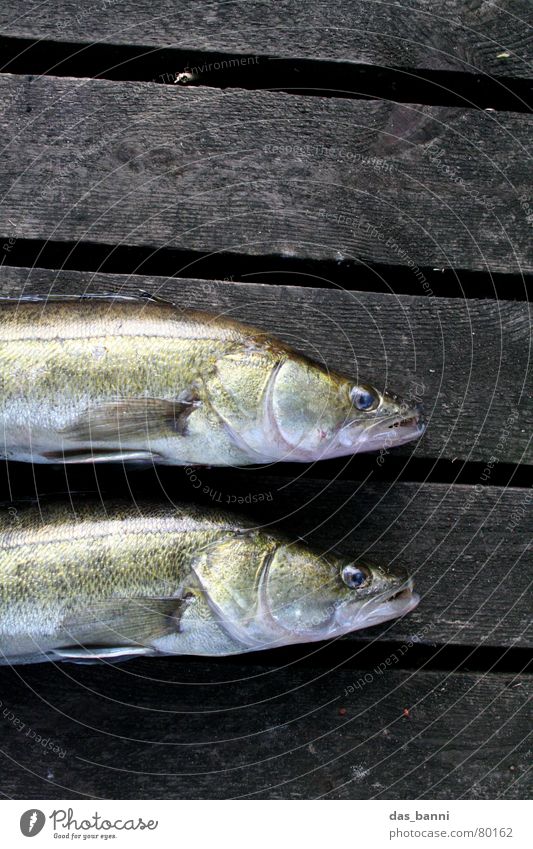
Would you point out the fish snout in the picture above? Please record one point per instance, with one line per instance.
(397, 422)
(405, 415)
(397, 600)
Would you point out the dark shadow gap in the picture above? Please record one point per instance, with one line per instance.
(241, 488)
(355, 652)
(347, 274)
(373, 659)
(399, 466)
(295, 76)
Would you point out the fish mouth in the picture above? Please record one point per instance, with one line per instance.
(387, 431)
(412, 421)
(399, 603)
(397, 429)
(391, 605)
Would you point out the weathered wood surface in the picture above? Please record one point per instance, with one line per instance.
(184, 729)
(467, 360)
(260, 173)
(254, 173)
(464, 35)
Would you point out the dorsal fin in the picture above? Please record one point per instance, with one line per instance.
(59, 298)
(157, 299)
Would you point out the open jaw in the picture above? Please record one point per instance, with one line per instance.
(387, 606)
(394, 430)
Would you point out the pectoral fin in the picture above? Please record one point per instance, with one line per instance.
(123, 623)
(82, 654)
(131, 417)
(141, 458)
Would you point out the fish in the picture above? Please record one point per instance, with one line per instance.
(98, 379)
(118, 580)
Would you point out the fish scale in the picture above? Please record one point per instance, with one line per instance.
(107, 584)
(94, 379)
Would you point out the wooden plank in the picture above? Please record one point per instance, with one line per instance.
(461, 36)
(260, 173)
(467, 360)
(185, 729)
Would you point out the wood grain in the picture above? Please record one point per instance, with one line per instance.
(260, 173)
(467, 360)
(183, 729)
(464, 35)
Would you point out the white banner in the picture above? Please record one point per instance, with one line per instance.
(266, 824)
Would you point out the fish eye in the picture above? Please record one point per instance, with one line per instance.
(363, 398)
(355, 577)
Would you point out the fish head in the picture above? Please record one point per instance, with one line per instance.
(317, 414)
(317, 597)
(255, 592)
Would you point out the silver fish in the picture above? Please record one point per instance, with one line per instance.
(126, 379)
(123, 582)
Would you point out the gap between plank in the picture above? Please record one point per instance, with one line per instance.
(17, 479)
(293, 76)
(346, 274)
(367, 653)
